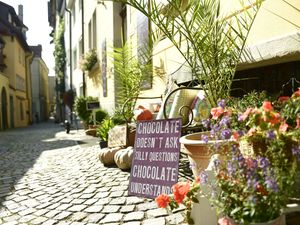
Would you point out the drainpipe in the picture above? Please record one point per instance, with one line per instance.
(70, 48)
(71, 59)
(82, 30)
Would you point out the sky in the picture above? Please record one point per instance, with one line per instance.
(35, 17)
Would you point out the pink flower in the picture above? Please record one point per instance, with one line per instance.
(267, 106)
(298, 123)
(162, 200)
(180, 190)
(225, 221)
(245, 115)
(216, 112)
(283, 127)
(251, 132)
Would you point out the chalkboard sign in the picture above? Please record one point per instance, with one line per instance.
(156, 157)
(92, 105)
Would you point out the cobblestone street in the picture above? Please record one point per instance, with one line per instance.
(50, 177)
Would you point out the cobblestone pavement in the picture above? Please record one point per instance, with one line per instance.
(46, 177)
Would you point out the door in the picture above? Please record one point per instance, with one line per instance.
(4, 109)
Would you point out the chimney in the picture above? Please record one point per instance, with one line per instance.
(20, 12)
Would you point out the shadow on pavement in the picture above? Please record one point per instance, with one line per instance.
(21, 147)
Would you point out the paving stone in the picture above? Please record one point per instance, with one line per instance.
(87, 196)
(11, 223)
(52, 213)
(118, 201)
(77, 208)
(66, 200)
(39, 220)
(25, 219)
(111, 209)
(133, 216)
(30, 203)
(155, 221)
(41, 212)
(94, 209)
(78, 216)
(50, 222)
(53, 206)
(157, 212)
(116, 194)
(94, 217)
(132, 223)
(112, 218)
(90, 201)
(127, 208)
(103, 201)
(27, 211)
(78, 223)
(134, 200)
(4, 213)
(78, 201)
(64, 206)
(175, 219)
(146, 206)
(43, 205)
(62, 215)
(64, 223)
(11, 218)
(102, 194)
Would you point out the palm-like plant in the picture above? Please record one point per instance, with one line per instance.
(211, 43)
(130, 74)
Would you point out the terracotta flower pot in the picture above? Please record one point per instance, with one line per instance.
(200, 152)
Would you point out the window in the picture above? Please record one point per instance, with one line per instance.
(93, 32)
(80, 47)
(75, 58)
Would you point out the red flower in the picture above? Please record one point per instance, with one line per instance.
(283, 98)
(162, 200)
(298, 123)
(235, 135)
(261, 189)
(275, 118)
(216, 112)
(180, 190)
(267, 106)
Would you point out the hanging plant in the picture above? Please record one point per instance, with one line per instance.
(88, 61)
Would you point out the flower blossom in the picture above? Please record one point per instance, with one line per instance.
(216, 112)
(296, 93)
(298, 123)
(180, 190)
(162, 200)
(267, 106)
(283, 127)
(245, 115)
(222, 103)
(283, 98)
(225, 221)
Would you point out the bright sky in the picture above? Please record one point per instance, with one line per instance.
(35, 17)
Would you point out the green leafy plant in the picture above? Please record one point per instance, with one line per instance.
(88, 60)
(101, 114)
(130, 73)
(80, 107)
(212, 44)
(103, 130)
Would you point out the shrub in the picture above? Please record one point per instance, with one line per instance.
(101, 114)
(80, 108)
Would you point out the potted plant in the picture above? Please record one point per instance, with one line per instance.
(88, 60)
(103, 130)
(249, 187)
(81, 110)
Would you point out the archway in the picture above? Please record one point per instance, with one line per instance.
(4, 109)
